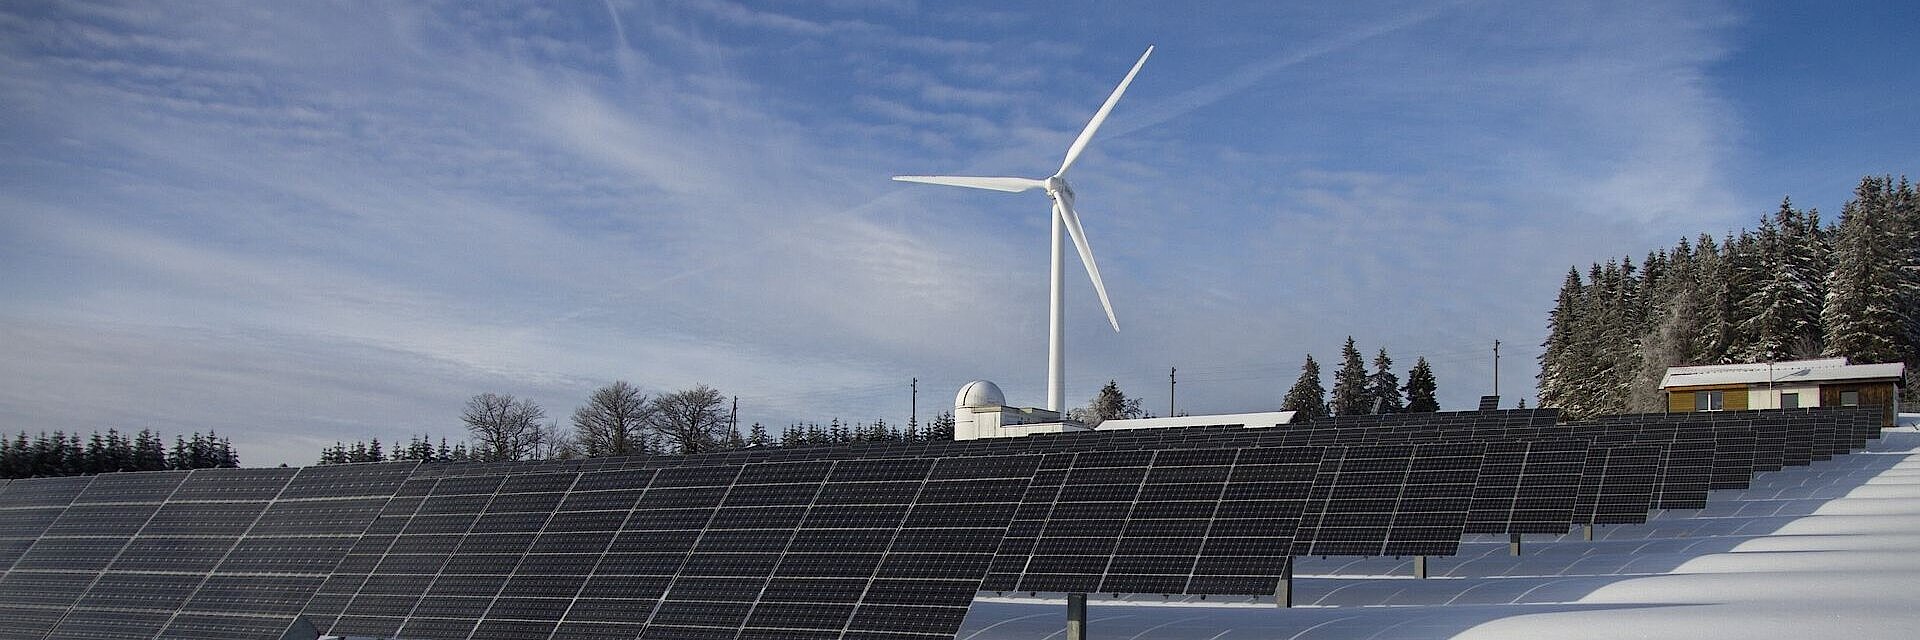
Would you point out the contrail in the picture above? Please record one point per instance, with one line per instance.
(1246, 77)
(619, 30)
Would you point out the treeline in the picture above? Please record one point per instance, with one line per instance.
(1793, 288)
(620, 420)
(64, 454)
(1358, 391)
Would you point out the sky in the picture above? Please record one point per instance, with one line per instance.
(301, 223)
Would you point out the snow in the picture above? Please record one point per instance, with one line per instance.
(1829, 550)
(1798, 371)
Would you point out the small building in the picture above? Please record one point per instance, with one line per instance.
(1824, 382)
(980, 411)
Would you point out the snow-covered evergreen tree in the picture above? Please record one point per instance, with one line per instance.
(1903, 208)
(1719, 341)
(1422, 390)
(1383, 387)
(1864, 315)
(1307, 399)
(1560, 352)
(1350, 384)
(1782, 306)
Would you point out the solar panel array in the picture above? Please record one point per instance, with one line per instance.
(880, 540)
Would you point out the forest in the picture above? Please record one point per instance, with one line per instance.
(63, 454)
(1792, 288)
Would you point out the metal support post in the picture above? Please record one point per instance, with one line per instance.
(1586, 532)
(1420, 567)
(1283, 595)
(1513, 544)
(1076, 616)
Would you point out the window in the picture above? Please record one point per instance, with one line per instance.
(1789, 400)
(1849, 398)
(1709, 400)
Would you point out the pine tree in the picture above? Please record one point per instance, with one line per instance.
(1906, 217)
(1383, 387)
(941, 428)
(96, 455)
(1782, 309)
(1422, 390)
(757, 436)
(1719, 341)
(1350, 384)
(149, 452)
(1307, 399)
(1562, 356)
(1109, 404)
(1866, 289)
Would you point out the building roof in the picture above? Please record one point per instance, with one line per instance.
(1249, 420)
(1789, 372)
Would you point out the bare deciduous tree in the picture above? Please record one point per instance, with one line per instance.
(556, 443)
(691, 420)
(614, 422)
(504, 428)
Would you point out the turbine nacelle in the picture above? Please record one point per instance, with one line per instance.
(1057, 189)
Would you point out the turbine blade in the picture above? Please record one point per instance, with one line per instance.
(1010, 185)
(1066, 213)
(1086, 135)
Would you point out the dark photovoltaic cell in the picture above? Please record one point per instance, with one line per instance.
(1249, 539)
(938, 556)
(1161, 539)
(1366, 502)
(81, 540)
(1733, 456)
(408, 565)
(1087, 519)
(1036, 503)
(1618, 485)
(333, 595)
(1549, 487)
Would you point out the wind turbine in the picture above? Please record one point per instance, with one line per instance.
(1063, 216)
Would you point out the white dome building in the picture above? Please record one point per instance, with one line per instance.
(979, 394)
(980, 411)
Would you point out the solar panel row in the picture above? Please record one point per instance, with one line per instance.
(875, 541)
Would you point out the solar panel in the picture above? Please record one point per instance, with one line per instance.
(1084, 526)
(408, 566)
(1250, 537)
(333, 595)
(55, 569)
(1549, 487)
(939, 555)
(1733, 456)
(1618, 484)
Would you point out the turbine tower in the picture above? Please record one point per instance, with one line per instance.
(1063, 216)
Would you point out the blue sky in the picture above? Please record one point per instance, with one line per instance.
(311, 222)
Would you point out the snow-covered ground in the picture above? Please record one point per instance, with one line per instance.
(1828, 551)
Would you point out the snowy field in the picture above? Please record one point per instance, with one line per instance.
(1828, 551)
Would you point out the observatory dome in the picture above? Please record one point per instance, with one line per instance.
(979, 393)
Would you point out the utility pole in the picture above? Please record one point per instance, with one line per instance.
(1496, 367)
(1170, 382)
(733, 418)
(913, 406)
